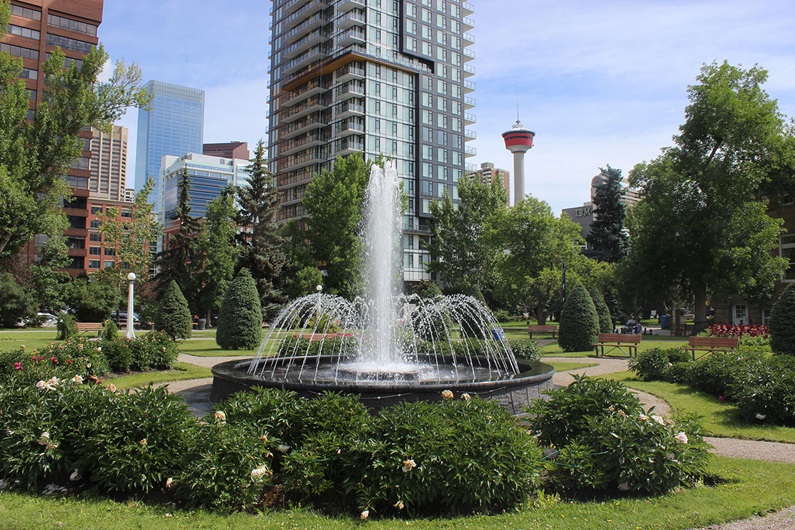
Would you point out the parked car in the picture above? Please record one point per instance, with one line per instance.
(120, 317)
(45, 320)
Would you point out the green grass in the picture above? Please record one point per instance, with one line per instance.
(746, 488)
(646, 343)
(717, 417)
(565, 367)
(180, 372)
(206, 347)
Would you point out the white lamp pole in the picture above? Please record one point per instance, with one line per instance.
(130, 318)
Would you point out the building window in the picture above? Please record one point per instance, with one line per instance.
(24, 32)
(95, 236)
(72, 25)
(95, 251)
(18, 51)
(69, 44)
(93, 264)
(786, 249)
(24, 12)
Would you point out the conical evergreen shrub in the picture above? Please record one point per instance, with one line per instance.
(602, 312)
(782, 323)
(579, 325)
(240, 318)
(173, 314)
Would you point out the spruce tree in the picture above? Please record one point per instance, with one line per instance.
(782, 323)
(607, 239)
(602, 311)
(579, 324)
(240, 319)
(173, 315)
(261, 242)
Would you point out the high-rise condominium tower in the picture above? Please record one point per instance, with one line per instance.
(384, 77)
(174, 125)
(109, 164)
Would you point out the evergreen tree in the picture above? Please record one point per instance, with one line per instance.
(217, 243)
(180, 260)
(240, 319)
(602, 312)
(579, 324)
(607, 239)
(173, 315)
(782, 323)
(261, 241)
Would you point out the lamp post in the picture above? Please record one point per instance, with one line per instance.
(130, 317)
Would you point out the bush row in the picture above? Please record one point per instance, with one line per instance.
(760, 385)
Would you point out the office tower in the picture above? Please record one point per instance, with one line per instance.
(35, 28)
(518, 141)
(209, 175)
(237, 150)
(108, 164)
(174, 125)
(382, 77)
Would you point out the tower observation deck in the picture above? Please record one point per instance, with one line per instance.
(518, 141)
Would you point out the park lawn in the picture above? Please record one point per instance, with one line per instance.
(566, 366)
(32, 339)
(180, 372)
(207, 347)
(647, 342)
(716, 416)
(744, 488)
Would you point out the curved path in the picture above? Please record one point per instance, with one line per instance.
(196, 392)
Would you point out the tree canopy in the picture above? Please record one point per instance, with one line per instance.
(607, 239)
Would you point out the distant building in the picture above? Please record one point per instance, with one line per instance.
(488, 174)
(108, 164)
(237, 150)
(174, 125)
(35, 29)
(209, 175)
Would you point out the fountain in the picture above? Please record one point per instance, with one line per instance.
(386, 346)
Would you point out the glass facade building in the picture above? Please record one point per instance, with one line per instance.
(174, 125)
(209, 175)
(382, 77)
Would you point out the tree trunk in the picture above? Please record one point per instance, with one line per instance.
(700, 309)
(541, 316)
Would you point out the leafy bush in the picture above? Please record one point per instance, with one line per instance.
(66, 328)
(110, 330)
(738, 330)
(607, 442)
(16, 302)
(525, 349)
(153, 350)
(503, 315)
(173, 315)
(240, 318)
(765, 391)
(303, 345)
(119, 354)
(225, 467)
(782, 323)
(579, 324)
(133, 440)
(564, 416)
(60, 359)
(657, 364)
(718, 373)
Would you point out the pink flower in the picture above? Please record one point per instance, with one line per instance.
(17, 366)
(54, 360)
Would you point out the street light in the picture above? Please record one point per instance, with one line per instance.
(130, 318)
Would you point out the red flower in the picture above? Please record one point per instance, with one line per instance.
(54, 360)
(69, 362)
(17, 366)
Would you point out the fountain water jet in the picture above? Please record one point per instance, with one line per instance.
(384, 345)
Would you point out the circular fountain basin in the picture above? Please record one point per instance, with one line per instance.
(379, 389)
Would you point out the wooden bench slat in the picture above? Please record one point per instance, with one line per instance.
(711, 344)
(85, 327)
(542, 329)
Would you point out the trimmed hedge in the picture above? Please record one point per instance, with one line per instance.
(173, 314)
(782, 323)
(579, 324)
(240, 318)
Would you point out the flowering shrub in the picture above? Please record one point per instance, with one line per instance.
(657, 364)
(765, 391)
(718, 373)
(224, 467)
(738, 330)
(607, 442)
(60, 359)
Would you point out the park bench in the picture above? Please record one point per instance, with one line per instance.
(542, 329)
(617, 341)
(711, 344)
(86, 327)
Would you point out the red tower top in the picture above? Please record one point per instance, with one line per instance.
(518, 139)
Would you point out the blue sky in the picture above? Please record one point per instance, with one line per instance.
(599, 82)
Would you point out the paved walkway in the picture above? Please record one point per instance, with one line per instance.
(196, 393)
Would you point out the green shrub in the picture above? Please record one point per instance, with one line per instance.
(579, 324)
(276, 412)
(16, 302)
(633, 453)
(173, 315)
(657, 364)
(525, 349)
(782, 323)
(563, 417)
(59, 359)
(134, 440)
(66, 328)
(602, 311)
(225, 467)
(119, 354)
(153, 350)
(240, 318)
(765, 391)
(718, 373)
(110, 330)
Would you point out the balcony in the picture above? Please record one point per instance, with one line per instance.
(469, 55)
(316, 37)
(354, 107)
(468, 24)
(467, 8)
(314, 55)
(313, 104)
(313, 155)
(469, 87)
(302, 142)
(469, 118)
(469, 103)
(348, 127)
(349, 146)
(469, 134)
(469, 152)
(305, 91)
(349, 90)
(346, 5)
(469, 71)
(469, 39)
(308, 9)
(351, 37)
(348, 72)
(354, 18)
(310, 123)
(309, 24)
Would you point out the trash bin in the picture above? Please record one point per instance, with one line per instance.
(202, 324)
(497, 334)
(665, 321)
